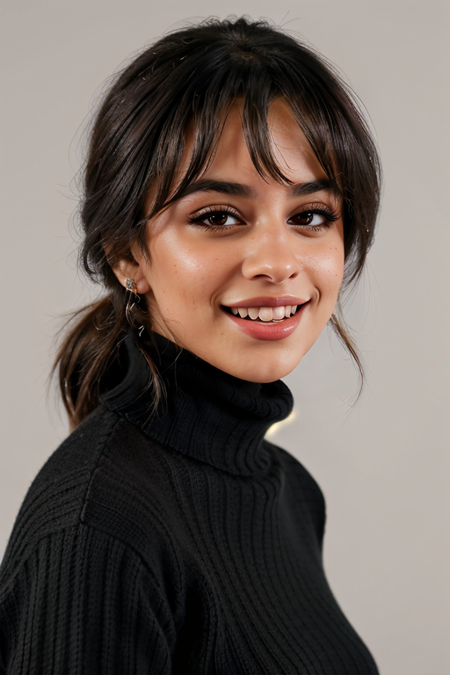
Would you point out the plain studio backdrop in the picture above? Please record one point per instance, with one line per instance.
(383, 464)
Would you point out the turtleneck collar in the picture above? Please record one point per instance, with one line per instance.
(207, 414)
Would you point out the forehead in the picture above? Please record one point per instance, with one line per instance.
(231, 158)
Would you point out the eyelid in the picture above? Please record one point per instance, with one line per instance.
(332, 213)
(221, 208)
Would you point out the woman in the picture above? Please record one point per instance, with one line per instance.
(231, 192)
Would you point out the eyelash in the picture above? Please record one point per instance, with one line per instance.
(316, 209)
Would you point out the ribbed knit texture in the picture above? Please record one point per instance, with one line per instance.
(182, 544)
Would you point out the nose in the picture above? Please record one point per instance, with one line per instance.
(271, 255)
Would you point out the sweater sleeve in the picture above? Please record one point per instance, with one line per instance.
(81, 602)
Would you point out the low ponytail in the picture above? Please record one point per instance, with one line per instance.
(86, 352)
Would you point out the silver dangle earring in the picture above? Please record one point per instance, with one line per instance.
(133, 298)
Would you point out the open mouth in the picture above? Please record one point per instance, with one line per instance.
(264, 315)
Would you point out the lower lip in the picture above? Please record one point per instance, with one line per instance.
(270, 331)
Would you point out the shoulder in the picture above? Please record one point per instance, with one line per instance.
(301, 490)
(102, 476)
(297, 471)
(95, 514)
(55, 497)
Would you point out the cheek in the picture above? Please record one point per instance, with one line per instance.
(183, 276)
(328, 270)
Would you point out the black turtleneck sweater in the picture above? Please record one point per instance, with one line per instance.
(183, 543)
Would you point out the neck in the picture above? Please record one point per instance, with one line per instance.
(207, 414)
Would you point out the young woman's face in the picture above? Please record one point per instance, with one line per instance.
(231, 260)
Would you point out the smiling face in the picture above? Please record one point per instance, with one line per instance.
(236, 241)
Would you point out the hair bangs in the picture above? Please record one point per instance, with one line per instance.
(202, 112)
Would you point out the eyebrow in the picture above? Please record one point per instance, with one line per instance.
(241, 190)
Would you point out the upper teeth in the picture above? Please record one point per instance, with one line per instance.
(265, 313)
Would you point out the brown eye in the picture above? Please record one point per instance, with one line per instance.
(216, 219)
(219, 218)
(305, 218)
(315, 220)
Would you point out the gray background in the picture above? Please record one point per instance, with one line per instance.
(383, 465)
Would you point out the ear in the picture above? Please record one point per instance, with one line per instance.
(135, 268)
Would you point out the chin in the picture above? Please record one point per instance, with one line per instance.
(267, 372)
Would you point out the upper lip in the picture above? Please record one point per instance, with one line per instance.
(266, 301)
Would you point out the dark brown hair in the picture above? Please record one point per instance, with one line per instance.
(191, 77)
